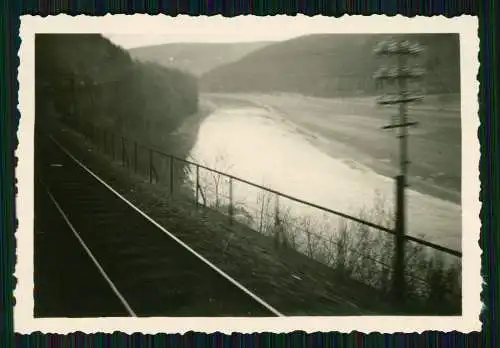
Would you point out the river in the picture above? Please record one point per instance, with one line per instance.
(254, 143)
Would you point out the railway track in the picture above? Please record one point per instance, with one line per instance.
(113, 257)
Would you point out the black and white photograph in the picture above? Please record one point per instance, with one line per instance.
(245, 169)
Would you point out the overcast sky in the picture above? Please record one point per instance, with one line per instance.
(219, 29)
(137, 40)
(226, 30)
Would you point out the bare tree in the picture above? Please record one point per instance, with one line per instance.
(212, 178)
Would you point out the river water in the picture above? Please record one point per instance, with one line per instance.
(252, 143)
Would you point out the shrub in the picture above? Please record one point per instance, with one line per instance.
(357, 251)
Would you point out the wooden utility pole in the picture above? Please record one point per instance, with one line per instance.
(401, 73)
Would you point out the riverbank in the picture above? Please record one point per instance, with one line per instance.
(180, 142)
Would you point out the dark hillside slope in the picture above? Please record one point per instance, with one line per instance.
(328, 65)
(86, 78)
(195, 58)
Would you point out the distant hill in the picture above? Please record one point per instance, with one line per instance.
(195, 58)
(328, 65)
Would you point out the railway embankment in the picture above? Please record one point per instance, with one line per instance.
(286, 279)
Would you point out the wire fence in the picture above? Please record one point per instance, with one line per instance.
(362, 247)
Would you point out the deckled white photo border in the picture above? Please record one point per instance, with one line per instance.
(466, 26)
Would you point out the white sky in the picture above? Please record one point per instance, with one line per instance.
(137, 40)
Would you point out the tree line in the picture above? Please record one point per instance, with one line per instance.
(333, 65)
(86, 78)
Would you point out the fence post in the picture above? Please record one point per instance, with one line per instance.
(106, 142)
(135, 157)
(277, 223)
(150, 166)
(230, 200)
(123, 151)
(277, 211)
(399, 242)
(113, 146)
(104, 145)
(171, 175)
(197, 183)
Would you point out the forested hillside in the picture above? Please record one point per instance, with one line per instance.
(329, 65)
(195, 58)
(85, 77)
